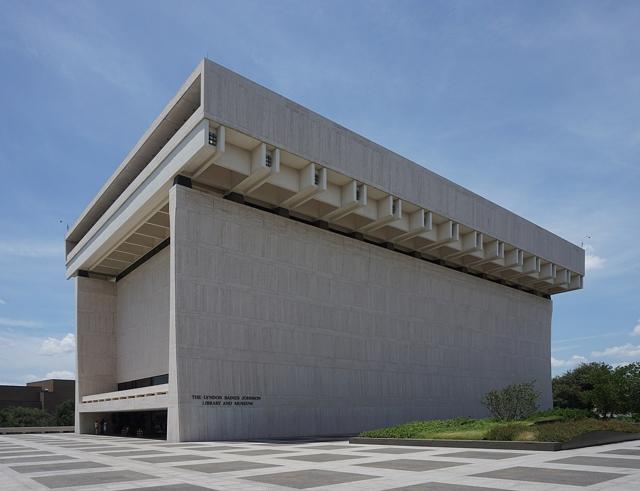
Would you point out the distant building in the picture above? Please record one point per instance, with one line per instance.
(253, 269)
(43, 394)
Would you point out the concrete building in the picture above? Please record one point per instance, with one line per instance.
(42, 394)
(253, 269)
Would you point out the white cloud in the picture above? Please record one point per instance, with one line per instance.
(21, 360)
(53, 346)
(636, 330)
(32, 249)
(63, 374)
(591, 260)
(625, 351)
(18, 322)
(3, 302)
(575, 360)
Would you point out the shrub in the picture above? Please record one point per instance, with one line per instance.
(506, 433)
(516, 401)
(25, 416)
(65, 413)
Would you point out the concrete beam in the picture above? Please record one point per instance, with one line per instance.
(469, 243)
(353, 196)
(492, 253)
(441, 234)
(312, 181)
(389, 210)
(264, 163)
(419, 222)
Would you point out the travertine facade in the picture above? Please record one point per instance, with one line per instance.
(292, 278)
(335, 335)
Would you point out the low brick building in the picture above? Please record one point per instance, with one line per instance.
(42, 394)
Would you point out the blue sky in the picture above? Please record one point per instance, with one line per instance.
(535, 105)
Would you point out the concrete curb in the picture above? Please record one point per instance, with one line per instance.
(587, 440)
(36, 429)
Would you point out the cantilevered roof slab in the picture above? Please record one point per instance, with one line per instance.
(232, 136)
(241, 104)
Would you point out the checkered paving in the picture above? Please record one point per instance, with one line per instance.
(86, 462)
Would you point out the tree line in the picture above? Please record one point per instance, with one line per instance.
(11, 417)
(600, 388)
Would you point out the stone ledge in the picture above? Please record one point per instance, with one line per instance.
(36, 429)
(587, 440)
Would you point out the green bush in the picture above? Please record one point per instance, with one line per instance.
(505, 433)
(25, 416)
(65, 413)
(516, 401)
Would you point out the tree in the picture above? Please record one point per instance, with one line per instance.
(572, 389)
(65, 413)
(604, 393)
(627, 379)
(600, 388)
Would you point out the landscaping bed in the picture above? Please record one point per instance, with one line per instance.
(544, 431)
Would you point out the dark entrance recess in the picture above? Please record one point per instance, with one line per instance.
(142, 424)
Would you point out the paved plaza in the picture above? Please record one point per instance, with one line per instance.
(83, 462)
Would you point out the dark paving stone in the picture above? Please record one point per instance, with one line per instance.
(103, 448)
(192, 444)
(624, 451)
(323, 457)
(327, 447)
(395, 450)
(85, 444)
(97, 449)
(213, 449)
(443, 486)
(19, 453)
(172, 458)
(172, 487)
(310, 478)
(90, 478)
(478, 454)
(234, 465)
(133, 453)
(259, 452)
(551, 476)
(412, 465)
(600, 461)
(62, 466)
(35, 458)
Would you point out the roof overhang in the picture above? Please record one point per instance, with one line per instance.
(238, 137)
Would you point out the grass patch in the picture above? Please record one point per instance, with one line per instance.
(541, 427)
(567, 430)
(455, 429)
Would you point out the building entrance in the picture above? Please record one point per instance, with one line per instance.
(141, 424)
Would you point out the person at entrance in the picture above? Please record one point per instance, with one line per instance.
(96, 427)
(105, 427)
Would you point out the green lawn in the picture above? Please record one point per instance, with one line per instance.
(539, 428)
